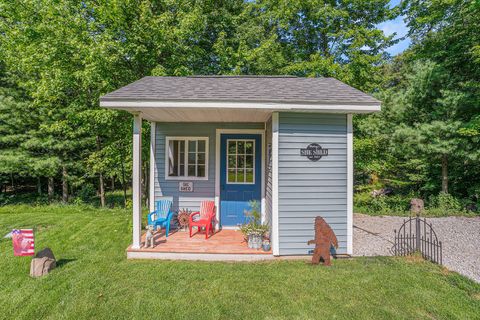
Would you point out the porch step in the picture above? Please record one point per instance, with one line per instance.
(140, 254)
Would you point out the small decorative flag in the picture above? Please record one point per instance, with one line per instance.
(23, 242)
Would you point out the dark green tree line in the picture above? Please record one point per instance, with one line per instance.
(59, 57)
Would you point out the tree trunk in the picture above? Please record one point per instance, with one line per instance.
(64, 185)
(39, 186)
(101, 183)
(102, 190)
(50, 188)
(113, 183)
(445, 173)
(124, 185)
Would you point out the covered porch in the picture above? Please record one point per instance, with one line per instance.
(212, 181)
(174, 126)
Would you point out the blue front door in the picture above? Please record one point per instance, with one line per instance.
(240, 174)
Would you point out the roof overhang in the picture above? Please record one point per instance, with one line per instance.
(227, 111)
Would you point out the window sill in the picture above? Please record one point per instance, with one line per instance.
(186, 178)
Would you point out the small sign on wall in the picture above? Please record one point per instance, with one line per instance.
(184, 186)
(313, 152)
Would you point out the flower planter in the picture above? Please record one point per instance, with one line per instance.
(255, 241)
(266, 245)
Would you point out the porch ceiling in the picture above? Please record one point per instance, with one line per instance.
(176, 114)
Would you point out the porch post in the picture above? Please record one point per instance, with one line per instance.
(136, 180)
(152, 167)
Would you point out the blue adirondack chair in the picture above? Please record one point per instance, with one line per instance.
(161, 216)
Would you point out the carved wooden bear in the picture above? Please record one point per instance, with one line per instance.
(324, 239)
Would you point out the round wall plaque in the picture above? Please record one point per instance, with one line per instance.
(314, 152)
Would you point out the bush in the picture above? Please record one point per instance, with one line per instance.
(86, 193)
(444, 204)
(382, 205)
(436, 206)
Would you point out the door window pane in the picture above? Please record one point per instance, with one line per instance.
(231, 175)
(232, 162)
(232, 147)
(241, 147)
(249, 175)
(241, 161)
(249, 147)
(249, 162)
(240, 175)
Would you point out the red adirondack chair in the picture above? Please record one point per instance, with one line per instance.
(205, 218)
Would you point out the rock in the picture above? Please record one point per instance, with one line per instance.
(471, 207)
(382, 192)
(47, 252)
(43, 262)
(416, 205)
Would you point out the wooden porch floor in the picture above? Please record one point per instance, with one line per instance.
(229, 242)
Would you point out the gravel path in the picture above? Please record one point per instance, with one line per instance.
(460, 236)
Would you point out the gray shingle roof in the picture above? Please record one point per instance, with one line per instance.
(280, 89)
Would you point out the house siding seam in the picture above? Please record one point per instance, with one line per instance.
(203, 189)
(306, 188)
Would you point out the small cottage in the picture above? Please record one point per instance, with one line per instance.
(283, 141)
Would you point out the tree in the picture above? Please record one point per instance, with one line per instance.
(310, 38)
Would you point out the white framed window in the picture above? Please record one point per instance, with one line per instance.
(240, 161)
(186, 158)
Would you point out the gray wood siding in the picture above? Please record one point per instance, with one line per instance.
(203, 190)
(306, 188)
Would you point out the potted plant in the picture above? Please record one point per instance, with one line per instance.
(253, 229)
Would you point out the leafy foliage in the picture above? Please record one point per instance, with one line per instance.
(58, 57)
(253, 225)
(426, 136)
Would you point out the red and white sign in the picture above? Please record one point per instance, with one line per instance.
(23, 242)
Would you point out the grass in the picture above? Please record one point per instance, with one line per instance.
(95, 281)
(113, 199)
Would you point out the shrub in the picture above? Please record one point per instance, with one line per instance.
(382, 205)
(86, 193)
(444, 204)
(436, 206)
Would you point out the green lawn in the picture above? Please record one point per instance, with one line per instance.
(94, 280)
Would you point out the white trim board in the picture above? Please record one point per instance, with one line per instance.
(349, 184)
(275, 230)
(273, 106)
(197, 256)
(218, 134)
